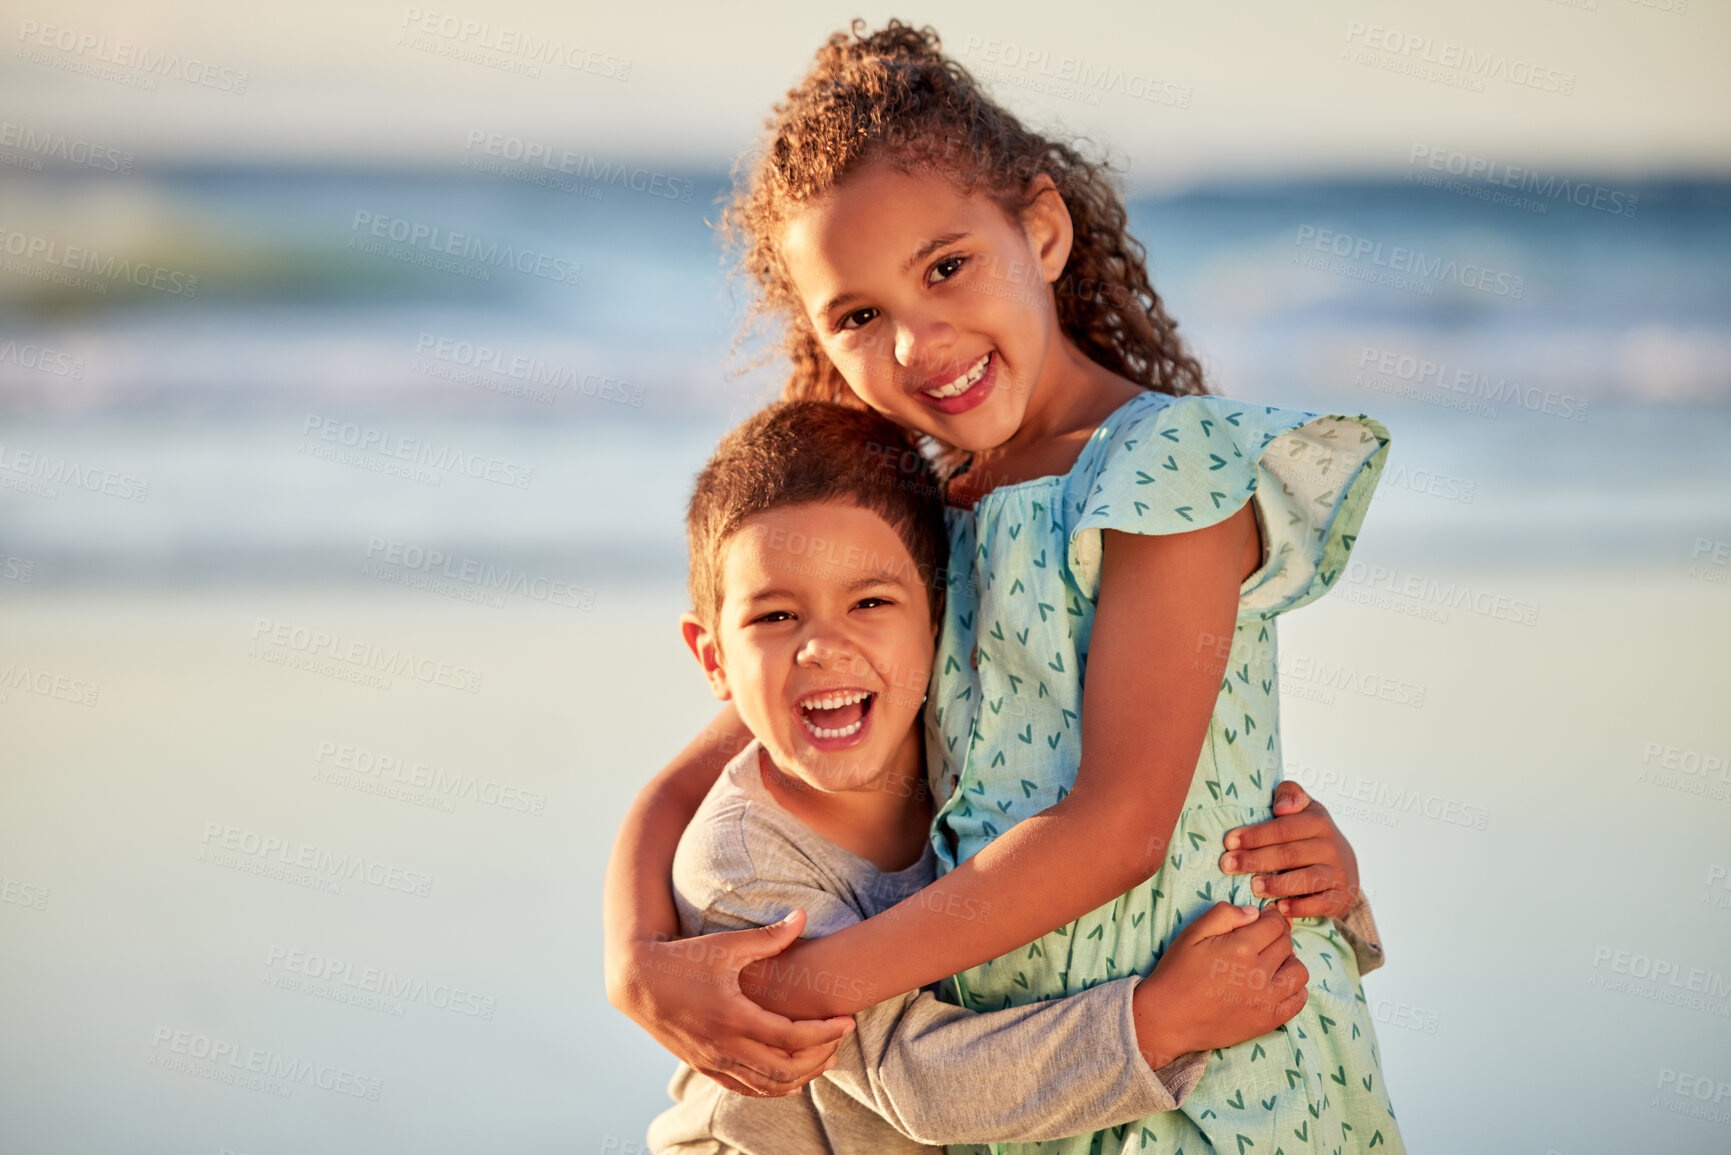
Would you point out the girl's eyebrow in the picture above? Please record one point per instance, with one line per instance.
(920, 254)
(929, 248)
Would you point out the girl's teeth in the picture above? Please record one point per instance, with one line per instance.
(962, 384)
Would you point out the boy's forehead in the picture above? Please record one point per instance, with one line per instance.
(830, 544)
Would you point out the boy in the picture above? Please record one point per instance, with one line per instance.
(816, 551)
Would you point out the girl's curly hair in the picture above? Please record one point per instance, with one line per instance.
(893, 95)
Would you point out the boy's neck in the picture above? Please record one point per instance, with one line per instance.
(885, 820)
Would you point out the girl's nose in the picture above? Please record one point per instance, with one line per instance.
(921, 345)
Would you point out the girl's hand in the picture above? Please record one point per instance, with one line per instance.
(1299, 856)
(686, 994)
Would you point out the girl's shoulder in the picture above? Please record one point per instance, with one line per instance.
(1163, 464)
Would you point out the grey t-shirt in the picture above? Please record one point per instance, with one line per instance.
(916, 1072)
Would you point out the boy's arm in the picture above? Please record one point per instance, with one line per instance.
(662, 988)
(1143, 723)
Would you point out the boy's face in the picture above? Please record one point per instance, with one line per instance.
(824, 642)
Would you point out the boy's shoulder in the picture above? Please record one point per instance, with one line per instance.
(740, 841)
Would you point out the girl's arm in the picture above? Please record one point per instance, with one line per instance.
(670, 990)
(1146, 709)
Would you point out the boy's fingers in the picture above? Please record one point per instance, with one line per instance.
(1307, 823)
(1287, 855)
(1270, 927)
(1292, 883)
(753, 943)
(1290, 797)
(1221, 918)
(1324, 905)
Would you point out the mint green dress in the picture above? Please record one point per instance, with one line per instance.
(1004, 741)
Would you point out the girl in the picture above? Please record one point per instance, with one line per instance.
(1120, 541)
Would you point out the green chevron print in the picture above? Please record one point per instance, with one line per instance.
(1159, 464)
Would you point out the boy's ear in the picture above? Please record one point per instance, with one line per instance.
(1047, 222)
(707, 650)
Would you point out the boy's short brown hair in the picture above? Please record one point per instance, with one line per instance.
(795, 452)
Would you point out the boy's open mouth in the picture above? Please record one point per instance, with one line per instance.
(836, 713)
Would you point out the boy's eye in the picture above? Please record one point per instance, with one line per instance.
(772, 616)
(949, 266)
(873, 601)
(857, 318)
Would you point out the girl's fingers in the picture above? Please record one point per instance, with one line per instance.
(1221, 918)
(771, 1030)
(1292, 855)
(762, 1068)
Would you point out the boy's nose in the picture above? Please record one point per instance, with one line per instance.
(826, 652)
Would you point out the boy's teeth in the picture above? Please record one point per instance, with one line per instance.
(820, 732)
(836, 707)
(963, 383)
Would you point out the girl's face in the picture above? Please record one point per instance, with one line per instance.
(935, 308)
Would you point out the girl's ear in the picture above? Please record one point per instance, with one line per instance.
(706, 649)
(1046, 220)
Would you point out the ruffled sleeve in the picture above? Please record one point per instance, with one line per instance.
(1170, 465)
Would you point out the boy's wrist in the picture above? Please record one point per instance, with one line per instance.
(1158, 1036)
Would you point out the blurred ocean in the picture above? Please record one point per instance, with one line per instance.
(457, 416)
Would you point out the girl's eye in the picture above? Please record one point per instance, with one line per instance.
(949, 266)
(857, 319)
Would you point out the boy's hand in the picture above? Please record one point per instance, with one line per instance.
(1299, 856)
(1228, 976)
(686, 994)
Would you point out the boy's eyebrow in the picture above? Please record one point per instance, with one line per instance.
(881, 578)
(920, 254)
